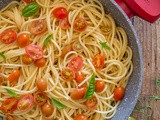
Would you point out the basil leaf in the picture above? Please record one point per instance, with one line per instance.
(58, 104)
(30, 9)
(4, 57)
(91, 88)
(48, 39)
(11, 93)
(104, 45)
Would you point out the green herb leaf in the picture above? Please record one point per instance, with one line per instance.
(48, 39)
(11, 93)
(157, 82)
(4, 57)
(104, 45)
(30, 9)
(154, 98)
(58, 104)
(91, 88)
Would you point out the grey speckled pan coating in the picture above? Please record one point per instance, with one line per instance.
(134, 86)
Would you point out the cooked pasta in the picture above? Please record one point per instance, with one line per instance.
(84, 40)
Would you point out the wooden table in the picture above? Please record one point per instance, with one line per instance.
(149, 35)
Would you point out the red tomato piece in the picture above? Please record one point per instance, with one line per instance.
(98, 61)
(119, 93)
(9, 117)
(80, 117)
(40, 98)
(27, 60)
(76, 63)
(9, 105)
(79, 77)
(67, 74)
(92, 103)
(23, 40)
(41, 84)
(38, 27)
(78, 93)
(99, 87)
(80, 24)
(14, 76)
(33, 51)
(60, 13)
(40, 63)
(28, 1)
(8, 36)
(64, 23)
(25, 103)
(47, 109)
(65, 50)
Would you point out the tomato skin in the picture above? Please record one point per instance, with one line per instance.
(23, 40)
(41, 84)
(92, 103)
(28, 1)
(33, 51)
(9, 105)
(47, 109)
(119, 93)
(27, 60)
(40, 63)
(9, 117)
(67, 74)
(64, 23)
(98, 61)
(60, 13)
(78, 93)
(77, 47)
(40, 98)
(80, 117)
(14, 76)
(8, 36)
(25, 103)
(76, 63)
(65, 50)
(99, 87)
(80, 25)
(79, 77)
(38, 27)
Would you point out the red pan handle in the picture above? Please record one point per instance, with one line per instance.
(146, 9)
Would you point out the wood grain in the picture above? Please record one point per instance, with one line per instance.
(149, 35)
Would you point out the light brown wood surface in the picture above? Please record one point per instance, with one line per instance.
(149, 35)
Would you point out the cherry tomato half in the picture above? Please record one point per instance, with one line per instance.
(40, 63)
(80, 24)
(40, 98)
(99, 87)
(64, 23)
(23, 40)
(119, 93)
(67, 74)
(79, 77)
(41, 84)
(38, 27)
(47, 109)
(78, 93)
(98, 61)
(33, 51)
(27, 60)
(14, 76)
(92, 103)
(9, 105)
(77, 47)
(8, 36)
(9, 117)
(80, 117)
(65, 50)
(60, 13)
(25, 103)
(76, 63)
(28, 1)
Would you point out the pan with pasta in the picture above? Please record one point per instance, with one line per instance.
(61, 60)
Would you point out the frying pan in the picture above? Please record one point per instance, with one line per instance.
(134, 85)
